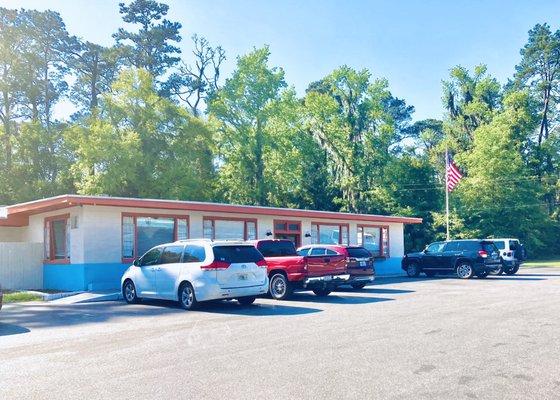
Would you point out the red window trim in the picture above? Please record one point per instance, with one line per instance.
(381, 249)
(126, 260)
(287, 231)
(245, 220)
(340, 225)
(51, 259)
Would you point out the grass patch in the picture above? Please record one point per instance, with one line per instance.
(19, 297)
(541, 264)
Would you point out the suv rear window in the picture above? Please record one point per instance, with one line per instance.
(469, 245)
(277, 249)
(237, 254)
(358, 252)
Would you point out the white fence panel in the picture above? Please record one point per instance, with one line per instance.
(21, 265)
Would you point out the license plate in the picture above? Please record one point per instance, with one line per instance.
(242, 277)
(362, 263)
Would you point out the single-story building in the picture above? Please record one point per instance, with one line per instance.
(88, 241)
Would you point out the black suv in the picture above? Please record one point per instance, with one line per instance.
(466, 258)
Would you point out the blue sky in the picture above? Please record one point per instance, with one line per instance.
(411, 43)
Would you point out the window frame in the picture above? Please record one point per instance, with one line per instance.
(51, 258)
(382, 253)
(339, 224)
(244, 220)
(134, 216)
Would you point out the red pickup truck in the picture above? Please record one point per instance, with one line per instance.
(288, 271)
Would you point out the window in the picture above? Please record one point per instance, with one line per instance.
(277, 249)
(151, 257)
(358, 252)
(329, 234)
(194, 253)
(452, 246)
(435, 248)
(56, 239)
(332, 253)
(375, 239)
(171, 255)
(302, 252)
(229, 229)
(142, 232)
(237, 254)
(317, 251)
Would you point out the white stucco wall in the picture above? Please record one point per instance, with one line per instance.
(97, 237)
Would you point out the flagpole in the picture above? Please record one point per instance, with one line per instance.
(447, 191)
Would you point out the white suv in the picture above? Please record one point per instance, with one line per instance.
(192, 271)
(512, 252)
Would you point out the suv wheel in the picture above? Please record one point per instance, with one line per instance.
(245, 301)
(129, 292)
(321, 292)
(412, 270)
(280, 288)
(187, 298)
(465, 270)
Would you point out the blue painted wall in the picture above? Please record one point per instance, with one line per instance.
(76, 277)
(388, 267)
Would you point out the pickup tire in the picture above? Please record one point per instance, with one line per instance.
(321, 292)
(464, 270)
(359, 285)
(413, 270)
(279, 287)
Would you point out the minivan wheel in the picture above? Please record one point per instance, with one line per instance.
(321, 292)
(465, 270)
(279, 287)
(187, 297)
(129, 292)
(245, 301)
(412, 270)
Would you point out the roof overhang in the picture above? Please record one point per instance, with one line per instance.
(18, 214)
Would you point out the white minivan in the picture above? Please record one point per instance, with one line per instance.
(191, 271)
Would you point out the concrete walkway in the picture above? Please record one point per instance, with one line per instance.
(90, 297)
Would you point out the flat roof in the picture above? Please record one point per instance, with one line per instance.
(18, 214)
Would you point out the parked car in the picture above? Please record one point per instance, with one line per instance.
(513, 253)
(359, 263)
(465, 258)
(193, 271)
(319, 269)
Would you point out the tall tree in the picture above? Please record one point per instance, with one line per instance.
(151, 47)
(245, 106)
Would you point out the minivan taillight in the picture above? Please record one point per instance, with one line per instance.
(261, 263)
(216, 265)
(483, 253)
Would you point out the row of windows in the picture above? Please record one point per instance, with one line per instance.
(143, 232)
(174, 254)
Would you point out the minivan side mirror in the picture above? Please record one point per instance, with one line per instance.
(136, 262)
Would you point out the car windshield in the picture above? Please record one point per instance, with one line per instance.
(277, 248)
(358, 252)
(237, 254)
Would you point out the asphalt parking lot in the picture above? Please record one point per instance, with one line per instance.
(497, 338)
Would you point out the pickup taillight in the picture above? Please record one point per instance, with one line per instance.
(216, 266)
(261, 263)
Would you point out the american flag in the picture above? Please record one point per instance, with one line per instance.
(453, 174)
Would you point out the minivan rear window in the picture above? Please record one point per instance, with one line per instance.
(358, 252)
(277, 249)
(237, 254)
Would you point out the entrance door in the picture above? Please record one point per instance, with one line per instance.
(290, 230)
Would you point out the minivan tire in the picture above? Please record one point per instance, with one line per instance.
(246, 301)
(129, 292)
(279, 287)
(412, 270)
(187, 297)
(464, 270)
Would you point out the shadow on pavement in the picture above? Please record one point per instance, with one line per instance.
(513, 278)
(255, 309)
(373, 290)
(335, 299)
(538, 275)
(9, 329)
